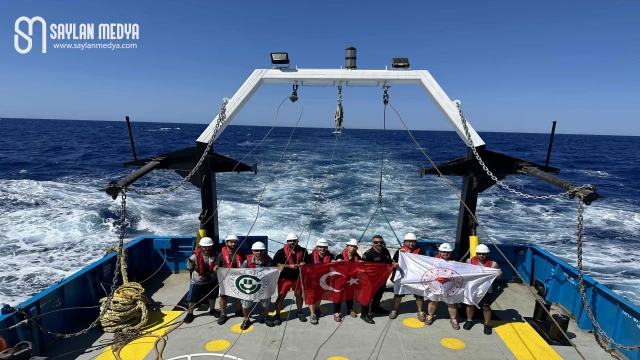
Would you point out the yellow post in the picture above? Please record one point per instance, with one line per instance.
(473, 243)
(201, 233)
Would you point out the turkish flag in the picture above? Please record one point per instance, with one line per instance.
(340, 281)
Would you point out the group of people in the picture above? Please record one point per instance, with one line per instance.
(204, 281)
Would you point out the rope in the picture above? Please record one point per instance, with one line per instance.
(365, 229)
(452, 188)
(127, 309)
(391, 227)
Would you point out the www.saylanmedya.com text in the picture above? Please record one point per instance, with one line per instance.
(87, 46)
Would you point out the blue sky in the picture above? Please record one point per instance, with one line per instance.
(516, 65)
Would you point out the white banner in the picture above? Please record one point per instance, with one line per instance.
(248, 284)
(440, 280)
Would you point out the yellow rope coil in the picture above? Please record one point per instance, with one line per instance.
(128, 308)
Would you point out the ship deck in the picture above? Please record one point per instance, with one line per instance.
(401, 338)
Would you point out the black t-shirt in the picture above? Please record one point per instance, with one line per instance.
(396, 256)
(378, 257)
(340, 257)
(220, 259)
(281, 258)
(309, 258)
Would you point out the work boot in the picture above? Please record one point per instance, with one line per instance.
(367, 318)
(468, 325)
(188, 319)
(487, 329)
(215, 313)
(246, 323)
(222, 319)
(301, 317)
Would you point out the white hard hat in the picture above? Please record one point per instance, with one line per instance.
(206, 241)
(482, 249)
(292, 236)
(231, 238)
(445, 247)
(258, 246)
(410, 236)
(322, 242)
(353, 242)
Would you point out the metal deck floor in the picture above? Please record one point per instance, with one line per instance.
(351, 339)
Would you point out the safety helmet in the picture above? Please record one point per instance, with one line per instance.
(410, 236)
(258, 246)
(231, 238)
(206, 241)
(322, 242)
(482, 249)
(292, 236)
(353, 242)
(445, 247)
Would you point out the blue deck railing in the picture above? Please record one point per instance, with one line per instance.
(619, 318)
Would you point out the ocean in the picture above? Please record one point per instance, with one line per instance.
(54, 221)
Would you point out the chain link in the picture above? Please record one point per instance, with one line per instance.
(113, 285)
(500, 183)
(222, 117)
(583, 291)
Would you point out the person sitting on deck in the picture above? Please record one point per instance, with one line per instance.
(378, 254)
(319, 255)
(204, 281)
(445, 253)
(258, 259)
(230, 257)
(289, 259)
(482, 259)
(410, 246)
(350, 254)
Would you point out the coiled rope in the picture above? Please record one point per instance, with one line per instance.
(127, 310)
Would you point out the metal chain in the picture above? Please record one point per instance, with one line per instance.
(113, 285)
(500, 183)
(583, 291)
(222, 117)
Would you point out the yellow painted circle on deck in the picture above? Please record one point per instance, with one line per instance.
(452, 343)
(236, 329)
(217, 345)
(338, 358)
(413, 323)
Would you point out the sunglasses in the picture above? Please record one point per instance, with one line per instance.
(291, 241)
(257, 251)
(377, 242)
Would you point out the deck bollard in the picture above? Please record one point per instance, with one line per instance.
(539, 313)
(554, 332)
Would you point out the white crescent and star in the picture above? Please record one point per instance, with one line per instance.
(323, 281)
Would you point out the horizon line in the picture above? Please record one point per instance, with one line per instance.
(319, 127)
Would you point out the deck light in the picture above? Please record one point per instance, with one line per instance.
(280, 58)
(350, 58)
(400, 63)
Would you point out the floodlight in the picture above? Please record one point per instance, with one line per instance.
(280, 58)
(400, 63)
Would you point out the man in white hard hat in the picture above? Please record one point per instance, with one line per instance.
(204, 281)
(349, 254)
(377, 254)
(289, 259)
(410, 246)
(230, 257)
(320, 255)
(482, 259)
(258, 259)
(445, 253)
